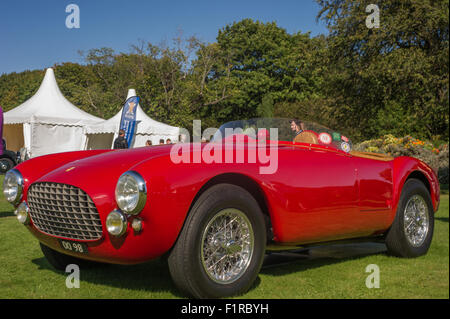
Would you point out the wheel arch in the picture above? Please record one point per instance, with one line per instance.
(421, 177)
(248, 184)
(8, 156)
(406, 168)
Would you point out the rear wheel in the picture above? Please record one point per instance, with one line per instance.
(412, 230)
(221, 247)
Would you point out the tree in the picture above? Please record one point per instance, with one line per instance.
(399, 70)
(16, 88)
(258, 60)
(265, 109)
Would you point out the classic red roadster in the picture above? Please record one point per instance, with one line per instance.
(214, 209)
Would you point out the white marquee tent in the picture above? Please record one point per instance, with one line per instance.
(102, 135)
(47, 122)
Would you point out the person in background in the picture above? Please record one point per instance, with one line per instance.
(148, 143)
(121, 142)
(182, 138)
(168, 141)
(296, 126)
(161, 141)
(301, 134)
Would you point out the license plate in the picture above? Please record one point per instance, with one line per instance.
(74, 246)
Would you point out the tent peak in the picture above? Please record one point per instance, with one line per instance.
(49, 74)
(131, 92)
(49, 83)
(48, 105)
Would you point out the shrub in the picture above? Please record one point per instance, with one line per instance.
(435, 157)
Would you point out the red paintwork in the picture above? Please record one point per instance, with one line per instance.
(317, 194)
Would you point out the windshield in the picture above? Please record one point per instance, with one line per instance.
(284, 130)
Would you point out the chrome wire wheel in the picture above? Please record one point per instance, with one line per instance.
(227, 246)
(416, 220)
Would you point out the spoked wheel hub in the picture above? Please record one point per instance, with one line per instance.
(416, 220)
(227, 246)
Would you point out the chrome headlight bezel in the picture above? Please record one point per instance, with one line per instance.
(22, 213)
(12, 177)
(131, 193)
(122, 223)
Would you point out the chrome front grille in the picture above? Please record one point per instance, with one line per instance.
(64, 211)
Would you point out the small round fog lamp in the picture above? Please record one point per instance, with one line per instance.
(23, 213)
(116, 223)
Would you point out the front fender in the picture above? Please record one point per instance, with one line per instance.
(172, 189)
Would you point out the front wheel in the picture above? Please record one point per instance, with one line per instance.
(221, 247)
(412, 230)
(5, 165)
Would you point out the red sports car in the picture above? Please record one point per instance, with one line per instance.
(215, 208)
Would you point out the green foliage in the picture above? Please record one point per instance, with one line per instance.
(264, 59)
(393, 79)
(363, 82)
(437, 157)
(16, 88)
(265, 109)
(316, 110)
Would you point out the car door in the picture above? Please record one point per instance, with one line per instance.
(317, 195)
(375, 185)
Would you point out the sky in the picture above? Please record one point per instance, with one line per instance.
(33, 34)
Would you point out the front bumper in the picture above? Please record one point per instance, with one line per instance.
(130, 248)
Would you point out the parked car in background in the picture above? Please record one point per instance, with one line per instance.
(8, 159)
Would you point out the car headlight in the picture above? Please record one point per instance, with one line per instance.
(131, 193)
(116, 223)
(13, 186)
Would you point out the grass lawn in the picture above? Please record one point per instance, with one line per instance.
(329, 272)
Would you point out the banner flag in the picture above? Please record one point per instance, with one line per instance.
(1, 131)
(128, 119)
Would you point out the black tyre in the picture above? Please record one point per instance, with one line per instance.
(5, 165)
(60, 261)
(220, 249)
(412, 230)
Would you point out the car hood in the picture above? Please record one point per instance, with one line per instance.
(103, 169)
